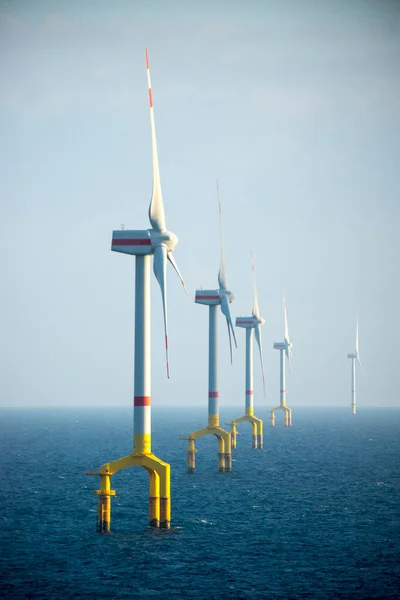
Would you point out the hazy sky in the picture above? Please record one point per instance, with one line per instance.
(294, 106)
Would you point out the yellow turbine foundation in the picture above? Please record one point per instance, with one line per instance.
(288, 415)
(224, 444)
(256, 426)
(160, 493)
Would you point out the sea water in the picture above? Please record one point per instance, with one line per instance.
(313, 515)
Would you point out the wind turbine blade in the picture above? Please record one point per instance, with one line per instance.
(286, 321)
(357, 336)
(257, 333)
(256, 310)
(288, 353)
(173, 263)
(160, 271)
(222, 269)
(156, 208)
(359, 362)
(225, 310)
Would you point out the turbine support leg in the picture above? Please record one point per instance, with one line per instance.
(224, 450)
(272, 418)
(228, 461)
(233, 435)
(154, 499)
(191, 456)
(254, 436)
(221, 454)
(165, 513)
(104, 506)
(260, 435)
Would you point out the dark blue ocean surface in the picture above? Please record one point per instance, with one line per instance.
(313, 515)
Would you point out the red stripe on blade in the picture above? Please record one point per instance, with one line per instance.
(213, 394)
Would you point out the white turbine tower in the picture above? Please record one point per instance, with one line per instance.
(285, 349)
(354, 357)
(213, 298)
(159, 242)
(251, 324)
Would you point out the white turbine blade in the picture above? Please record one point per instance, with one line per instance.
(256, 310)
(173, 263)
(225, 310)
(286, 321)
(357, 336)
(160, 271)
(359, 362)
(156, 208)
(222, 269)
(288, 352)
(257, 333)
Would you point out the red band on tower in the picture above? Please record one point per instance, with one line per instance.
(142, 401)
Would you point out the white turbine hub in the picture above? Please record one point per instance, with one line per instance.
(167, 238)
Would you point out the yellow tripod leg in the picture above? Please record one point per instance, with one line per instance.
(104, 506)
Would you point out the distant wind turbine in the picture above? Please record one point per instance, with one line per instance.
(251, 324)
(213, 298)
(285, 349)
(354, 357)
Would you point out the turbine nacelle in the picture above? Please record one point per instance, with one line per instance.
(134, 242)
(249, 322)
(279, 346)
(140, 242)
(208, 297)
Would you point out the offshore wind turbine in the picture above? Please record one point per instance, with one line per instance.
(213, 298)
(251, 324)
(285, 349)
(354, 358)
(159, 242)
